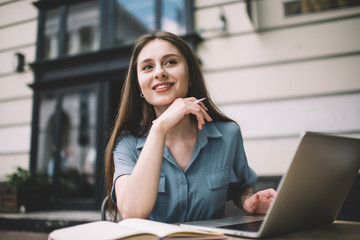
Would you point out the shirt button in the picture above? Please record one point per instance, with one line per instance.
(183, 181)
(183, 208)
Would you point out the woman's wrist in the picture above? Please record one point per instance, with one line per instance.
(245, 194)
(158, 127)
(244, 197)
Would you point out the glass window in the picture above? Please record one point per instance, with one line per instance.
(133, 19)
(297, 7)
(173, 17)
(82, 27)
(51, 34)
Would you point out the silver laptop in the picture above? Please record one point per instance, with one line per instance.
(310, 194)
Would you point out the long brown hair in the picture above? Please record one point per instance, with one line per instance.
(135, 115)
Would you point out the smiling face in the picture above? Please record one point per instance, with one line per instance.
(162, 74)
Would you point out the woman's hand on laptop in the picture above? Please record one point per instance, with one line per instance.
(259, 202)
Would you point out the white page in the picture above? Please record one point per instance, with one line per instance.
(158, 228)
(93, 231)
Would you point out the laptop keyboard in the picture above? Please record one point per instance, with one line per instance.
(248, 227)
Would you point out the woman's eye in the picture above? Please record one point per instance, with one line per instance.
(170, 62)
(147, 67)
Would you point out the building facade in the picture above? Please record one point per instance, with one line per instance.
(277, 67)
(18, 27)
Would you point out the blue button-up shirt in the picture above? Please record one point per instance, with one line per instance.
(217, 171)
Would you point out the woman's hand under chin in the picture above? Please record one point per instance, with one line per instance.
(180, 108)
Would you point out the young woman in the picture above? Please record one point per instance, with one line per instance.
(173, 156)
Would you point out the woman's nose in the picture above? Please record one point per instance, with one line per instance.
(160, 73)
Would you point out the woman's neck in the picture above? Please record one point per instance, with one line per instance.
(185, 129)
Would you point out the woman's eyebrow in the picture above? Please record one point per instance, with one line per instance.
(163, 57)
(170, 55)
(145, 61)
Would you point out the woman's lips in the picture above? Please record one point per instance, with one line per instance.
(161, 87)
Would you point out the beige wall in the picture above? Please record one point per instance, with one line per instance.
(18, 21)
(295, 74)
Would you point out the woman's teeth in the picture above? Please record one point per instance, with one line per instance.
(163, 86)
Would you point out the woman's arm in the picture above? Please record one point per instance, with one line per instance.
(136, 193)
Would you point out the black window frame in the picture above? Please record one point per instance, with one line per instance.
(63, 8)
(106, 23)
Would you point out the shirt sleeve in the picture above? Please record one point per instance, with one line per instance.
(125, 157)
(246, 176)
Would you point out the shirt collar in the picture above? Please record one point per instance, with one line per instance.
(209, 131)
(141, 141)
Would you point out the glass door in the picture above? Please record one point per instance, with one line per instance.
(67, 143)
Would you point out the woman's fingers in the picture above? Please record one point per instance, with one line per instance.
(185, 106)
(251, 204)
(203, 106)
(206, 116)
(200, 113)
(265, 199)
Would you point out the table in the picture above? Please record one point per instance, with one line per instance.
(337, 230)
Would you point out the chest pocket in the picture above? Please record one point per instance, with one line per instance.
(221, 178)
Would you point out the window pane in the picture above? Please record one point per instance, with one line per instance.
(78, 148)
(173, 16)
(133, 19)
(46, 134)
(67, 142)
(296, 7)
(82, 27)
(51, 34)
